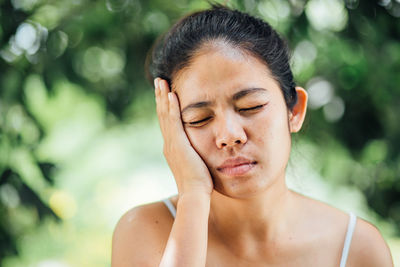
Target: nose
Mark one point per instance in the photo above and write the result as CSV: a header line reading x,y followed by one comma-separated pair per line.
x,y
230,132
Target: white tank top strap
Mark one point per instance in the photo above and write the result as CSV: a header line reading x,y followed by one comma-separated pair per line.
x,y
350,230
170,206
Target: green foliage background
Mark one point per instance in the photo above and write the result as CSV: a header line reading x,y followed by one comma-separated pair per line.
x,y
79,141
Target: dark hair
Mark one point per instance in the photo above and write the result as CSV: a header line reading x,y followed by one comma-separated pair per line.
x,y
175,50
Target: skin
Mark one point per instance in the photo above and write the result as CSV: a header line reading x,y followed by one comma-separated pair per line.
x,y
251,219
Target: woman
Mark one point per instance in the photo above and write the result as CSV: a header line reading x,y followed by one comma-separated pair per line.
x,y
227,105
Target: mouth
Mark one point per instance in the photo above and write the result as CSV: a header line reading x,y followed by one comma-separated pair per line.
x,y
236,167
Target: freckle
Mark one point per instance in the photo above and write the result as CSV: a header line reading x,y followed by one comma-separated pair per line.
x,y
156,222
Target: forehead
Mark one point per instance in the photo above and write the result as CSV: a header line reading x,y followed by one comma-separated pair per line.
x,y
219,71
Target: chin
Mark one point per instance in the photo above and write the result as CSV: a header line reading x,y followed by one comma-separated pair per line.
x,y
240,187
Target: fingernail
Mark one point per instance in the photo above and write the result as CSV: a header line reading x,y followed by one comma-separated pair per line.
x,y
170,96
155,83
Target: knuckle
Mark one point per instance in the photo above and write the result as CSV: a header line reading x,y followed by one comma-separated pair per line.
x,y
166,152
162,112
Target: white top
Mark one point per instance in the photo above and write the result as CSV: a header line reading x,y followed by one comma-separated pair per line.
x,y
350,230
346,247
170,206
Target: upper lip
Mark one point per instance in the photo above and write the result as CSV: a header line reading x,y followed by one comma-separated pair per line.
x,y
233,162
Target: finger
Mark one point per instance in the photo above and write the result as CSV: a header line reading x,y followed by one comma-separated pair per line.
x,y
156,87
175,115
163,85
174,110
160,105
157,92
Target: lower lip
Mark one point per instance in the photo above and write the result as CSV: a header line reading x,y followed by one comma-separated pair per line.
x,y
237,170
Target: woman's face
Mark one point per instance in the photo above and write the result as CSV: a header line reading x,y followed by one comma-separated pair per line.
x,y
236,119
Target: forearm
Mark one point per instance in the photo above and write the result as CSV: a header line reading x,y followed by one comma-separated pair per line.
x,y
187,243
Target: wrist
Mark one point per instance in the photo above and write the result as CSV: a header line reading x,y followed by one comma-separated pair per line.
x,y
198,192
195,187
198,196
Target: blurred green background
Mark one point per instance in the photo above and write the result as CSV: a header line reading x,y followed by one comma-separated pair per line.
x,y
79,137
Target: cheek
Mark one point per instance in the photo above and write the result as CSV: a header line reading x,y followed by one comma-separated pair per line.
x,y
272,130
200,140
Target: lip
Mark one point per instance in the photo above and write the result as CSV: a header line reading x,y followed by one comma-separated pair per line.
x,y
236,166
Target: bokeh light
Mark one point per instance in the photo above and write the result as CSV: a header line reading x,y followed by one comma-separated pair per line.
x,y
327,14
80,142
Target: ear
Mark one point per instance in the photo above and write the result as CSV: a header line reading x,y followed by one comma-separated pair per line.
x,y
298,113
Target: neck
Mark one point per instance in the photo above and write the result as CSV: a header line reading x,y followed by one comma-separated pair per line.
x,y
262,218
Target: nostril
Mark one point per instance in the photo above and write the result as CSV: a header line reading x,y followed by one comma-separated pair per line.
x,y
230,142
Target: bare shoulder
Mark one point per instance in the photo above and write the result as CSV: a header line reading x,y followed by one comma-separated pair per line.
x,y
368,248
140,236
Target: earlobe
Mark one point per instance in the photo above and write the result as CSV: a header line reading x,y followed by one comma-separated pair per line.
x,y
298,113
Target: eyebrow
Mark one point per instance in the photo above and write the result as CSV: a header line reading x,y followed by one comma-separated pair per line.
x,y
201,104
247,91
235,97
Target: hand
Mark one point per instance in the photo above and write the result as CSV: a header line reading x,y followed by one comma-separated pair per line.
x,y
190,172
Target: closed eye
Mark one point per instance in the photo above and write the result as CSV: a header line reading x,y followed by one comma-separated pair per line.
x,y
198,122
252,108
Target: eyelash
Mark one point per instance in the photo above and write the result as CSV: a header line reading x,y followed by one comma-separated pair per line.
x,y
252,108
240,110
198,122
